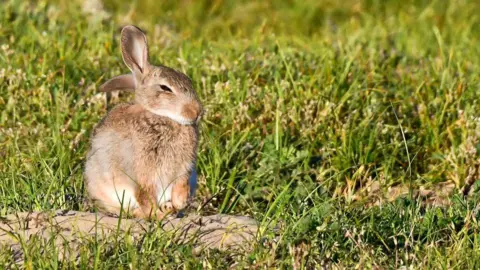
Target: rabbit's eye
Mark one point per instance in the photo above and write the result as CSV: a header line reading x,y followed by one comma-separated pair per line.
x,y
165,88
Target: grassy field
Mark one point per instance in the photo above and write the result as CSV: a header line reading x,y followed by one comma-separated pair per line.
x,y
322,117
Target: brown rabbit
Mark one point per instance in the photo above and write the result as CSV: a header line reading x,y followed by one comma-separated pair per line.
x,y
143,154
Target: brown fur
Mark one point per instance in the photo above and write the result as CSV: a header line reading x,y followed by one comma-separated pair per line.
x,y
143,154
180,193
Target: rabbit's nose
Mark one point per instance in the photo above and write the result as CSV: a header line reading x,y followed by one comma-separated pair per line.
x,y
191,111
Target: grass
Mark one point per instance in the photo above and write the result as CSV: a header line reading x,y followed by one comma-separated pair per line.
x,y
309,104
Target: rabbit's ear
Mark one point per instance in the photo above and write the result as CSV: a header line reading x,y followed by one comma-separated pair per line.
x,y
124,82
135,50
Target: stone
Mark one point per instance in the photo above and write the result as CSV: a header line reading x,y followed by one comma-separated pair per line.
x,y
223,232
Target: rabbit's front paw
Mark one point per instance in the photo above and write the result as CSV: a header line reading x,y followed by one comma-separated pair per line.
x,y
166,207
180,194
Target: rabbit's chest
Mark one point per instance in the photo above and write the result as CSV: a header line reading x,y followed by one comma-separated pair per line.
x,y
174,163
171,155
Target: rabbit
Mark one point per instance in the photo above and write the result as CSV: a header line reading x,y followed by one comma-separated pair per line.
x,y
142,156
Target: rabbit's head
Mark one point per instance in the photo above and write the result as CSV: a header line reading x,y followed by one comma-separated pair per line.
x,y
159,89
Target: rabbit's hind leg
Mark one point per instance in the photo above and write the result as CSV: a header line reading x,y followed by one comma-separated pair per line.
x,y
113,198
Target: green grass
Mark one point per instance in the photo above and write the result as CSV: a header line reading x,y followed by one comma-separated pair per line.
x,y
307,104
